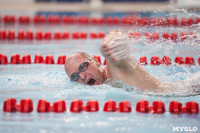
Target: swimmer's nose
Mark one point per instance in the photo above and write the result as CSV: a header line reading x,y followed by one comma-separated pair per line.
x,y
82,77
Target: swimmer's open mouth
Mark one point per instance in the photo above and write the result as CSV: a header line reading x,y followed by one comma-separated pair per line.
x,y
92,81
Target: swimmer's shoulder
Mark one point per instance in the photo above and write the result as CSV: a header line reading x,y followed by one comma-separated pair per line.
x,y
118,84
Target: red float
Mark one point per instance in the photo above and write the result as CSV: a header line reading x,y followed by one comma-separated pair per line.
x,y
75,35
138,21
153,21
179,60
59,106
11,35
174,36
191,35
57,35
116,20
109,20
143,60
47,35
155,36
42,18
136,35
142,106
155,60
43,106
86,19
26,59
49,59
192,107
39,35
158,107
169,21
125,106
38,58
97,20
145,21
61,59
21,35
98,58
2,35
10,105
50,19
65,35
36,19
24,19
197,20
160,21
105,62
175,21
9,19
76,106
184,22
189,60
15,59
56,19
3,59
71,19
166,36
147,35
92,106
65,19
29,35
190,21
26,105
101,35
175,107
110,106
80,19
166,60
83,35
93,35
183,36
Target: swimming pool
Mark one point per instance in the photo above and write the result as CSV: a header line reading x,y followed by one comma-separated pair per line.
x,y
37,81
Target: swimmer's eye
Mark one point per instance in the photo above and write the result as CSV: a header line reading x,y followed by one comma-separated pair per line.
x,y
74,77
83,67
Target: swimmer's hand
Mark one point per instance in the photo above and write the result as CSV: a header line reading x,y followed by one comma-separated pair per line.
x,y
115,46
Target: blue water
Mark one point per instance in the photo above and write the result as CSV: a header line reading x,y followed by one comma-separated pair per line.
x,y
37,81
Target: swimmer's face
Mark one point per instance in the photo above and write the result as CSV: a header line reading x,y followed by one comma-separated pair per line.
x,y
91,76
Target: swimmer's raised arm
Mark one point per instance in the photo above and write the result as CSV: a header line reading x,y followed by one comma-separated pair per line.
x,y
116,49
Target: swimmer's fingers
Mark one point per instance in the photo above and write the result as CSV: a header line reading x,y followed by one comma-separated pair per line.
x,y
109,55
105,52
112,58
105,48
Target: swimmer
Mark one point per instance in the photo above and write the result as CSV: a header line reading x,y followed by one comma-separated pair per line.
x,y
84,69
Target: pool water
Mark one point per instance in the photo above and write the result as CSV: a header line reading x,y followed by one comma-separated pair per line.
x,y
37,81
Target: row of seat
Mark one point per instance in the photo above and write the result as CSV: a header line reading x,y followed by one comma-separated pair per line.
x,y
158,107
138,21
38,35
49,59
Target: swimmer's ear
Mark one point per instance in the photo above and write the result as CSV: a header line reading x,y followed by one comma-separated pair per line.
x,y
96,61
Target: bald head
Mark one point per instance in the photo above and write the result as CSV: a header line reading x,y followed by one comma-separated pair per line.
x,y
92,75
75,59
